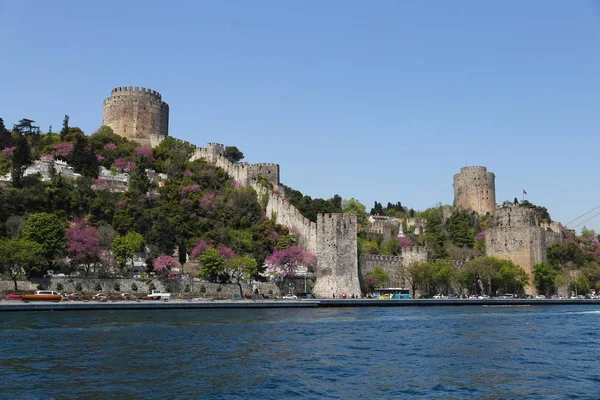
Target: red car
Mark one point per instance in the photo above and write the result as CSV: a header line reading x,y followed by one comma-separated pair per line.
x,y
14,296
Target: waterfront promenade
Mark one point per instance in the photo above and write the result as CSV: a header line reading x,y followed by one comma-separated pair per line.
x,y
314,303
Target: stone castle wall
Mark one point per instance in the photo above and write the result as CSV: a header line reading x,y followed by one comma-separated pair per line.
x,y
88,286
244,173
137,113
395,266
515,235
337,264
141,115
474,189
418,225
284,213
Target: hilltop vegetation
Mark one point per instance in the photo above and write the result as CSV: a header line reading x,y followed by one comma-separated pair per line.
x,y
99,229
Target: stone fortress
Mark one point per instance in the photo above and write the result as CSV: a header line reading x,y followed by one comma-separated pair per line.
x,y
514,233
138,114
474,189
141,115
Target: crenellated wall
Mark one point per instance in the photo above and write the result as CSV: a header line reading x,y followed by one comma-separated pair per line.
x,y
138,114
395,266
474,189
244,173
286,214
515,234
337,264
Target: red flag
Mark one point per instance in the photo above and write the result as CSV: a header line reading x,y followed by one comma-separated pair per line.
x,y
524,192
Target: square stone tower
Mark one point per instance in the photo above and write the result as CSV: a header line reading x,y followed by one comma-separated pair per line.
x,y
337,262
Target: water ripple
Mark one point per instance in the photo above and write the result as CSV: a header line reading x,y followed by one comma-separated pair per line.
x,y
450,353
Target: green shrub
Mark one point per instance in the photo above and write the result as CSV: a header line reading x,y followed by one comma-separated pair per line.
x,y
78,287
187,288
117,287
98,287
219,288
134,287
202,289
40,286
59,287
152,286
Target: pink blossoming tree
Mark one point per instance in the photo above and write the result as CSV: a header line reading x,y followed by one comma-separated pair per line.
x,y
63,150
199,248
9,151
167,267
145,153
82,244
285,262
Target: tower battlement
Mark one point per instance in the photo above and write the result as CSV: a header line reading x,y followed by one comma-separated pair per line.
x,y
475,189
137,113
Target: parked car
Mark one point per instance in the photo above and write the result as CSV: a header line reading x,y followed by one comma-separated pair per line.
x,y
128,296
100,297
76,296
290,297
14,296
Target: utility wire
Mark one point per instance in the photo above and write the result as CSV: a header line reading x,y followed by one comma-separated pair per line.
x,y
581,223
582,215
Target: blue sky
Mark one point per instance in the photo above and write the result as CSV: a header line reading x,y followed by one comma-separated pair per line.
x,y
376,100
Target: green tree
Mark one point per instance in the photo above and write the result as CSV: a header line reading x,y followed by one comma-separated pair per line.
x,y
511,278
233,154
443,274
240,268
65,129
380,275
561,254
21,158
139,180
19,257
49,231
212,264
354,206
460,229
83,158
587,233
434,237
580,285
543,277
124,247
420,277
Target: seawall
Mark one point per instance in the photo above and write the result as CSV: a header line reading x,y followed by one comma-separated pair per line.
x,y
8,306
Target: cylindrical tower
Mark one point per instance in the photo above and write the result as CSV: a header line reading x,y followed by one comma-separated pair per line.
x,y
474,189
136,113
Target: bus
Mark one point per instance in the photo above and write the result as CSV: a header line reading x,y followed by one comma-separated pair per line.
x,y
392,293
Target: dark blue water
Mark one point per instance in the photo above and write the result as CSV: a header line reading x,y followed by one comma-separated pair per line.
x,y
362,353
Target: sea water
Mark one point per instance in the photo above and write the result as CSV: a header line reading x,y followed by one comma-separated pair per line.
x,y
537,352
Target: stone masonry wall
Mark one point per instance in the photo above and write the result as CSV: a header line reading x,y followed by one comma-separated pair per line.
x,y
474,189
136,113
286,214
337,264
515,235
278,208
395,266
125,286
244,173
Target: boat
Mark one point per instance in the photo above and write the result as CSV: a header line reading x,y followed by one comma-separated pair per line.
x,y
42,295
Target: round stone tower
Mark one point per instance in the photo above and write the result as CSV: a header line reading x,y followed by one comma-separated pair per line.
x,y
474,189
138,114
